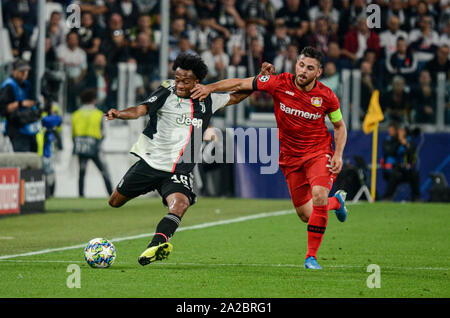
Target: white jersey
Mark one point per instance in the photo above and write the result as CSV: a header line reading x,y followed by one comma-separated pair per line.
x,y
172,139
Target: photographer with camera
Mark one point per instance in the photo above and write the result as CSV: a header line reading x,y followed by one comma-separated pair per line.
x,y
51,120
21,110
399,159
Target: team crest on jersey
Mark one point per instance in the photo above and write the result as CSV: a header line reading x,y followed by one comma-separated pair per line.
x,y
264,78
316,101
202,105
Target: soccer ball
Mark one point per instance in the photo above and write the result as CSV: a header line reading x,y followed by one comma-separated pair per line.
x,y
100,252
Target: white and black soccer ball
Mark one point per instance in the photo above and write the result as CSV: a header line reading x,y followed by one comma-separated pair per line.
x,y
100,253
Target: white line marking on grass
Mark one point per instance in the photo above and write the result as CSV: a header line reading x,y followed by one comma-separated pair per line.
x,y
161,264
134,237
6,238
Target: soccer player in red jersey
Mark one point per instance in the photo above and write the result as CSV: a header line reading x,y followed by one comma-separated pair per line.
x,y
307,158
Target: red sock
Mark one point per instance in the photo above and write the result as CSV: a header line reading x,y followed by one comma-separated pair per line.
x,y
333,204
316,228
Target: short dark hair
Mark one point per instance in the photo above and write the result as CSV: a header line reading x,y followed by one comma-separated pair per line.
x,y
313,53
88,95
188,61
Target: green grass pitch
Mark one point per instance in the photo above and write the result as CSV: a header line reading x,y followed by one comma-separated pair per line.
x,y
248,255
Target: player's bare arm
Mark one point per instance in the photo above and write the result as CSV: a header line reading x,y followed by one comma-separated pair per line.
x,y
127,113
340,139
237,97
231,85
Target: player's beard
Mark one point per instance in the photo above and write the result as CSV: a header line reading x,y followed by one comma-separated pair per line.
x,y
305,84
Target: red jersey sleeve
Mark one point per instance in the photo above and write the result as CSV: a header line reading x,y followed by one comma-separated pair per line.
x,y
266,83
333,102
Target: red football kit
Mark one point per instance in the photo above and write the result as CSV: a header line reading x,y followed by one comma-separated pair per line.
x,y
305,143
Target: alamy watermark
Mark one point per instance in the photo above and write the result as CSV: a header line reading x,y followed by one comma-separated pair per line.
x,y
74,279
374,279
373,20
73,19
234,145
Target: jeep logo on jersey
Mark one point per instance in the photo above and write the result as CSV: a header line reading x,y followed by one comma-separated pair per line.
x,y
196,122
298,112
316,101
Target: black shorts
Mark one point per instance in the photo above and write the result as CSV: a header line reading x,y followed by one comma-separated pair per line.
x,y
141,179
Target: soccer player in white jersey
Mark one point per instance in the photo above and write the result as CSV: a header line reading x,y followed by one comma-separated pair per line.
x,y
175,122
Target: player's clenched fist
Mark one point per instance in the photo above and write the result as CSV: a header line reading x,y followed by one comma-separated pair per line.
x,y
112,114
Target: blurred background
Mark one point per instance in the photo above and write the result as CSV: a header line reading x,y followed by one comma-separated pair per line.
x,y
123,49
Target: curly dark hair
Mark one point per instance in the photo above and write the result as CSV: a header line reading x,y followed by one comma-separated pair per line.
x,y
313,53
191,62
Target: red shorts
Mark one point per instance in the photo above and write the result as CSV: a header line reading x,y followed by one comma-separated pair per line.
x,y
302,173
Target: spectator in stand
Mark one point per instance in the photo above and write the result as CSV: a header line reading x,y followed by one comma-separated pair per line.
x,y
326,10
19,37
116,50
350,16
251,32
180,11
205,7
296,18
331,77
115,23
388,38
321,36
445,32
396,101
424,41
424,100
75,64
184,46
378,68
252,60
216,60
277,42
411,14
228,17
440,63
177,31
128,10
98,79
359,40
144,26
202,35
260,12
402,62
367,86
285,61
56,30
90,35
98,8
147,59
417,12
395,8
27,9
334,55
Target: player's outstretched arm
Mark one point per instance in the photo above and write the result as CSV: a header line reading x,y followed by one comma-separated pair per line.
x,y
231,85
127,113
237,97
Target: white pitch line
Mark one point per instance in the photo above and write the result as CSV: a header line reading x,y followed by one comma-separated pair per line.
x,y
238,265
183,228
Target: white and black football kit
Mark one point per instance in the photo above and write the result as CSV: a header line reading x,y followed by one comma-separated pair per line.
x,y
170,144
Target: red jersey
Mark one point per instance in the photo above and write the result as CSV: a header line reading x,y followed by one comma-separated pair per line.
x,y
300,115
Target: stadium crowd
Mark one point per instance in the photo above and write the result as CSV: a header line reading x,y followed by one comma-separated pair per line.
x,y
401,57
